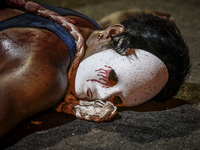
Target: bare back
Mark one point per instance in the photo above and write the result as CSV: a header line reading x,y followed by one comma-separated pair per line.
x,y
33,72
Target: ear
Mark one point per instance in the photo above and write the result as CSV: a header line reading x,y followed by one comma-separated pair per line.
x,y
113,30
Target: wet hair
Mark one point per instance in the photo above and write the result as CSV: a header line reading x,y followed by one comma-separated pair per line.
x,y
162,38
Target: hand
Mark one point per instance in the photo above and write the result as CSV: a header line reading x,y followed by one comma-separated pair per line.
x,y
95,110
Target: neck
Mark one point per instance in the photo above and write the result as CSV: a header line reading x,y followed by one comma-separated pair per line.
x,y
85,32
85,27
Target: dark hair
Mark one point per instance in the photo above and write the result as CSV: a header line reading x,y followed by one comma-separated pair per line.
x,y
162,38
3,4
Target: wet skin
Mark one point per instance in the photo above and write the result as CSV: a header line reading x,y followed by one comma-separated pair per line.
x,y
33,70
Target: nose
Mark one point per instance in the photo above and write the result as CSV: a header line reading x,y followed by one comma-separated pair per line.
x,y
106,93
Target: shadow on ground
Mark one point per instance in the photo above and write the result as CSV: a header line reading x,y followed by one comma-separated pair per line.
x,y
149,122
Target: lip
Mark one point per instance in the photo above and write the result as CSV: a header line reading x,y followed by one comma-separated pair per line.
x,y
89,93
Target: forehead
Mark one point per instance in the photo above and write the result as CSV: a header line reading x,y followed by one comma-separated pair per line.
x,y
140,57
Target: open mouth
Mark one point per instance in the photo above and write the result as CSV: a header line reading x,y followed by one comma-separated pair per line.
x,y
89,93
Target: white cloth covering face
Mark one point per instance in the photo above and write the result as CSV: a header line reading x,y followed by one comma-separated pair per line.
x,y
140,77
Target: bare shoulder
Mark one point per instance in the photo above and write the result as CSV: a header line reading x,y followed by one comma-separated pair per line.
x,y
35,59
9,13
41,44
33,73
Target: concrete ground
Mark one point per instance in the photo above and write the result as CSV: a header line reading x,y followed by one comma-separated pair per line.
x,y
173,125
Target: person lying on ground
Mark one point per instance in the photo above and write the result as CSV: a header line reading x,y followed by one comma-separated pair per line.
x,y
51,56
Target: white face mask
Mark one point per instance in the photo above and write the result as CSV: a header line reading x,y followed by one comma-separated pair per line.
x,y
137,79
